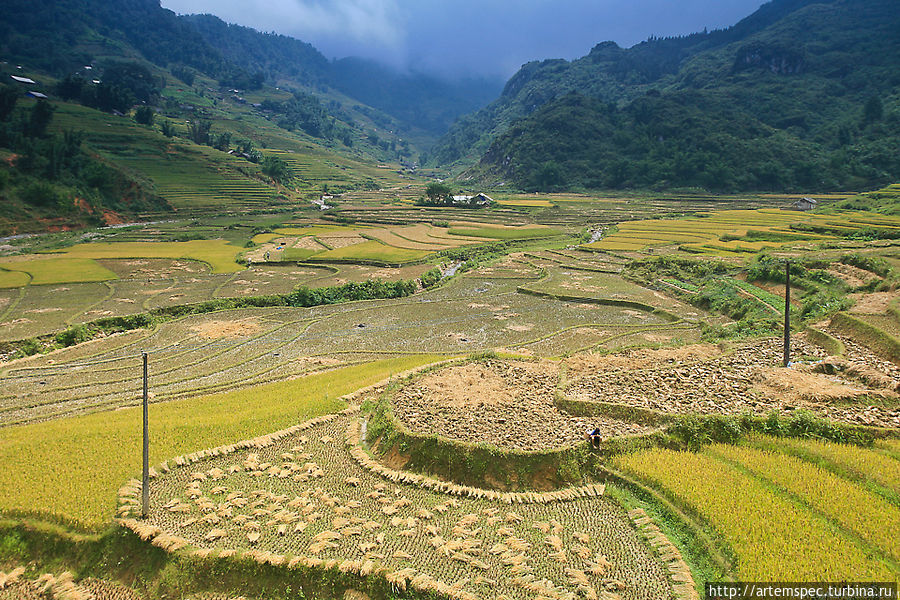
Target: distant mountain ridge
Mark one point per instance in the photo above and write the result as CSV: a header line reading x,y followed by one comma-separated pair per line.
x,y
415,99
60,36
811,87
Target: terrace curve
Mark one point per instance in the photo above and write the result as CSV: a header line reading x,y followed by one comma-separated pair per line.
x,y
310,497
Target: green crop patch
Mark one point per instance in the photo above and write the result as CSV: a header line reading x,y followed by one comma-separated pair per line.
x,y
372,251
45,271
505,233
12,279
219,254
733,232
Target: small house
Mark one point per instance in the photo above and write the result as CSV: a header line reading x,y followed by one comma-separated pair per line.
x,y
805,204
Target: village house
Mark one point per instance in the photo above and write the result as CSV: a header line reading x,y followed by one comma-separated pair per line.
x,y
804,204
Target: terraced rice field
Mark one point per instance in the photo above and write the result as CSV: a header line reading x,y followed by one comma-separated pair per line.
x,y
187,175
604,286
734,232
306,496
500,232
314,169
219,254
857,511
763,511
327,243
46,271
855,463
146,284
200,177
220,351
71,468
372,250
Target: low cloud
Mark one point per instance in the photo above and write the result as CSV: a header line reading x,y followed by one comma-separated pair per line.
x,y
470,37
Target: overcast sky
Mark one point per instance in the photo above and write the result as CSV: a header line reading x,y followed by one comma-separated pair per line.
x,y
474,37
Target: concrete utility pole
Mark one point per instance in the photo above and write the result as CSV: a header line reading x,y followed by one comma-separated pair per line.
x,y
787,313
145,479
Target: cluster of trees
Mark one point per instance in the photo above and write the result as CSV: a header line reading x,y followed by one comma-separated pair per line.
x,y
802,94
276,168
306,113
121,85
366,290
441,194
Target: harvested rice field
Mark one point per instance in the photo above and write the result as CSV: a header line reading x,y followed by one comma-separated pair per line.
x,y
147,284
470,316
311,497
741,380
507,404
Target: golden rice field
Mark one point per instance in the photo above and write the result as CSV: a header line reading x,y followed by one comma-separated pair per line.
x,y
219,254
13,279
856,510
861,463
892,446
310,496
783,518
372,250
733,231
70,468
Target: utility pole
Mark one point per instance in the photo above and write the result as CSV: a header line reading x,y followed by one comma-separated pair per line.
x,y
787,313
145,479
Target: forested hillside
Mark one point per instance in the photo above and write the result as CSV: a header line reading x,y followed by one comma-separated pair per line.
x,y
801,95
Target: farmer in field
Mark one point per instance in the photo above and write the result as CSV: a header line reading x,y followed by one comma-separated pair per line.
x,y
594,437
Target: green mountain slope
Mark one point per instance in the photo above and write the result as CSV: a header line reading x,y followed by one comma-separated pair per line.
x,y
799,95
154,122
608,72
59,36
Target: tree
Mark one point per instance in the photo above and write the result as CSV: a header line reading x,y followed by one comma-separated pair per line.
x,y
69,88
132,77
549,177
438,192
874,110
144,115
8,98
198,131
222,141
39,118
167,129
277,169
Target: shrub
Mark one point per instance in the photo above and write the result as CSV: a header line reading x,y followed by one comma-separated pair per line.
x,y
73,335
430,278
